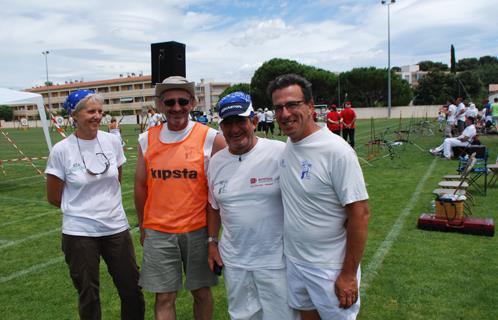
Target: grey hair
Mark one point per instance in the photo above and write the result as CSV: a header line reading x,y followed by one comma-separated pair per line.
x,y
94,97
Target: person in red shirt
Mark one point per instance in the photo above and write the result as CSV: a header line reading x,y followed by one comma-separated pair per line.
x,y
334,120
348,123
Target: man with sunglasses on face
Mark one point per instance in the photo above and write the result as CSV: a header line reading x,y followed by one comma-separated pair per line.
x,y
325,208
171,197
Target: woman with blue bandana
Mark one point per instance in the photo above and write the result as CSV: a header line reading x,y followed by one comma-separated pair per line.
x,y
84,181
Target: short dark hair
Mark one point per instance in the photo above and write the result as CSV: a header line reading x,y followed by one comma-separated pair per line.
x,y
290,79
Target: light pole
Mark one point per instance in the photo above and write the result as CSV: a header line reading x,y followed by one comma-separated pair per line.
x,y
45,53
388,3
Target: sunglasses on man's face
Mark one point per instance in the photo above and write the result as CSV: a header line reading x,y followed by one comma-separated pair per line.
x,y
181,101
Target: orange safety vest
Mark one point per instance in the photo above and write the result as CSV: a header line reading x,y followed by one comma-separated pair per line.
x,y
177,191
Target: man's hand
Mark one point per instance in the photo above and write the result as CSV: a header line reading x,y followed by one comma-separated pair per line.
x,y
346,290
214,256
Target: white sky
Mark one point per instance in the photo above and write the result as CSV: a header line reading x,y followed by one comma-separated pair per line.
x,y
227,40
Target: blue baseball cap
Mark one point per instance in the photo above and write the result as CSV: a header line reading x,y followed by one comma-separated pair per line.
x,y
74,98
235,104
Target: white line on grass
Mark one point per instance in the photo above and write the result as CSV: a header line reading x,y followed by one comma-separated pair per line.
x,y
22,200
31,269
371,270
32,237
40,266
28,218
21,178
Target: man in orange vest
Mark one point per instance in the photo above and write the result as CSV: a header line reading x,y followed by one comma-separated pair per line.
x,y
171,197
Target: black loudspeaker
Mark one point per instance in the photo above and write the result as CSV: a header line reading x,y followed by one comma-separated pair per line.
x,y
167,59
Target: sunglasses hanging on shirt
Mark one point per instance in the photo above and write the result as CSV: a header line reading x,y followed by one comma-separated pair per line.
x,y
100,158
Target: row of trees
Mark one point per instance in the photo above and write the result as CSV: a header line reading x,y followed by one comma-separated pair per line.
x,y
367,87
364,87
470,80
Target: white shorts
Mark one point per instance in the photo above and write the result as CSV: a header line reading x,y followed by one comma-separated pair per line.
x,y
313,289
257,294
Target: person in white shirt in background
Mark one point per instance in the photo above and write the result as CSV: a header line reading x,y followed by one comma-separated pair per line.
x,y
261,120
153,119
325,208
450,118
245,198
269,125
460,115
462,140
471,111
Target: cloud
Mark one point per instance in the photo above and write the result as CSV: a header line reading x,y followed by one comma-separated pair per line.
x,y
228,40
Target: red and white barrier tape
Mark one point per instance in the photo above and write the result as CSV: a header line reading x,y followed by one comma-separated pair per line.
x,y
22,153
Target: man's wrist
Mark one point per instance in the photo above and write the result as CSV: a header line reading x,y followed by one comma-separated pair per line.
x,y
213,240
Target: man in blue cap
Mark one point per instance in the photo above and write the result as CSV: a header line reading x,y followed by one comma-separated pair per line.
x,y
244,196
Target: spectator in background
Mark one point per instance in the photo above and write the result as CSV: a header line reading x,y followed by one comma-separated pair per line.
x,y
153,119
460,115
471,111
463,140
116,130
334,120
261,120
202,119
348,116
269,125
494,112
450,118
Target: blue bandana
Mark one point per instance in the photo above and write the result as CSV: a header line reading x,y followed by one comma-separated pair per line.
x,y
235,104
75,97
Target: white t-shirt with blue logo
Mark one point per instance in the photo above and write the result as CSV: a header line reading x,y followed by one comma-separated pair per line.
x,y
246,190
319,175
91,205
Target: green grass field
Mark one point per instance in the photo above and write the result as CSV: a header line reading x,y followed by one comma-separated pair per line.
x,y
406,273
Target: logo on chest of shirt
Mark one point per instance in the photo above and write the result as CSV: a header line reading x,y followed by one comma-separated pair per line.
x,y
165,174
282,163
258,182
190,152
221,187
305,170
77,167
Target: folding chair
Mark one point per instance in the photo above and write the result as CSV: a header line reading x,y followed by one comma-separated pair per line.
x,y
458,187
493,171
480,168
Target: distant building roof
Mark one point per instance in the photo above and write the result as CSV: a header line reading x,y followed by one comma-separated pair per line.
x,y
493,88
78,84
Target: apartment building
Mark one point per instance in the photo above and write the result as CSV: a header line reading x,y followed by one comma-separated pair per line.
x,y
129,94
412,74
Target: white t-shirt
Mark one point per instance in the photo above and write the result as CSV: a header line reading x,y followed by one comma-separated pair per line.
x,y
269,116
319,175
471,112
460,107
470,132
91,205
246,189
451,114
168,136
154,120
261,117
